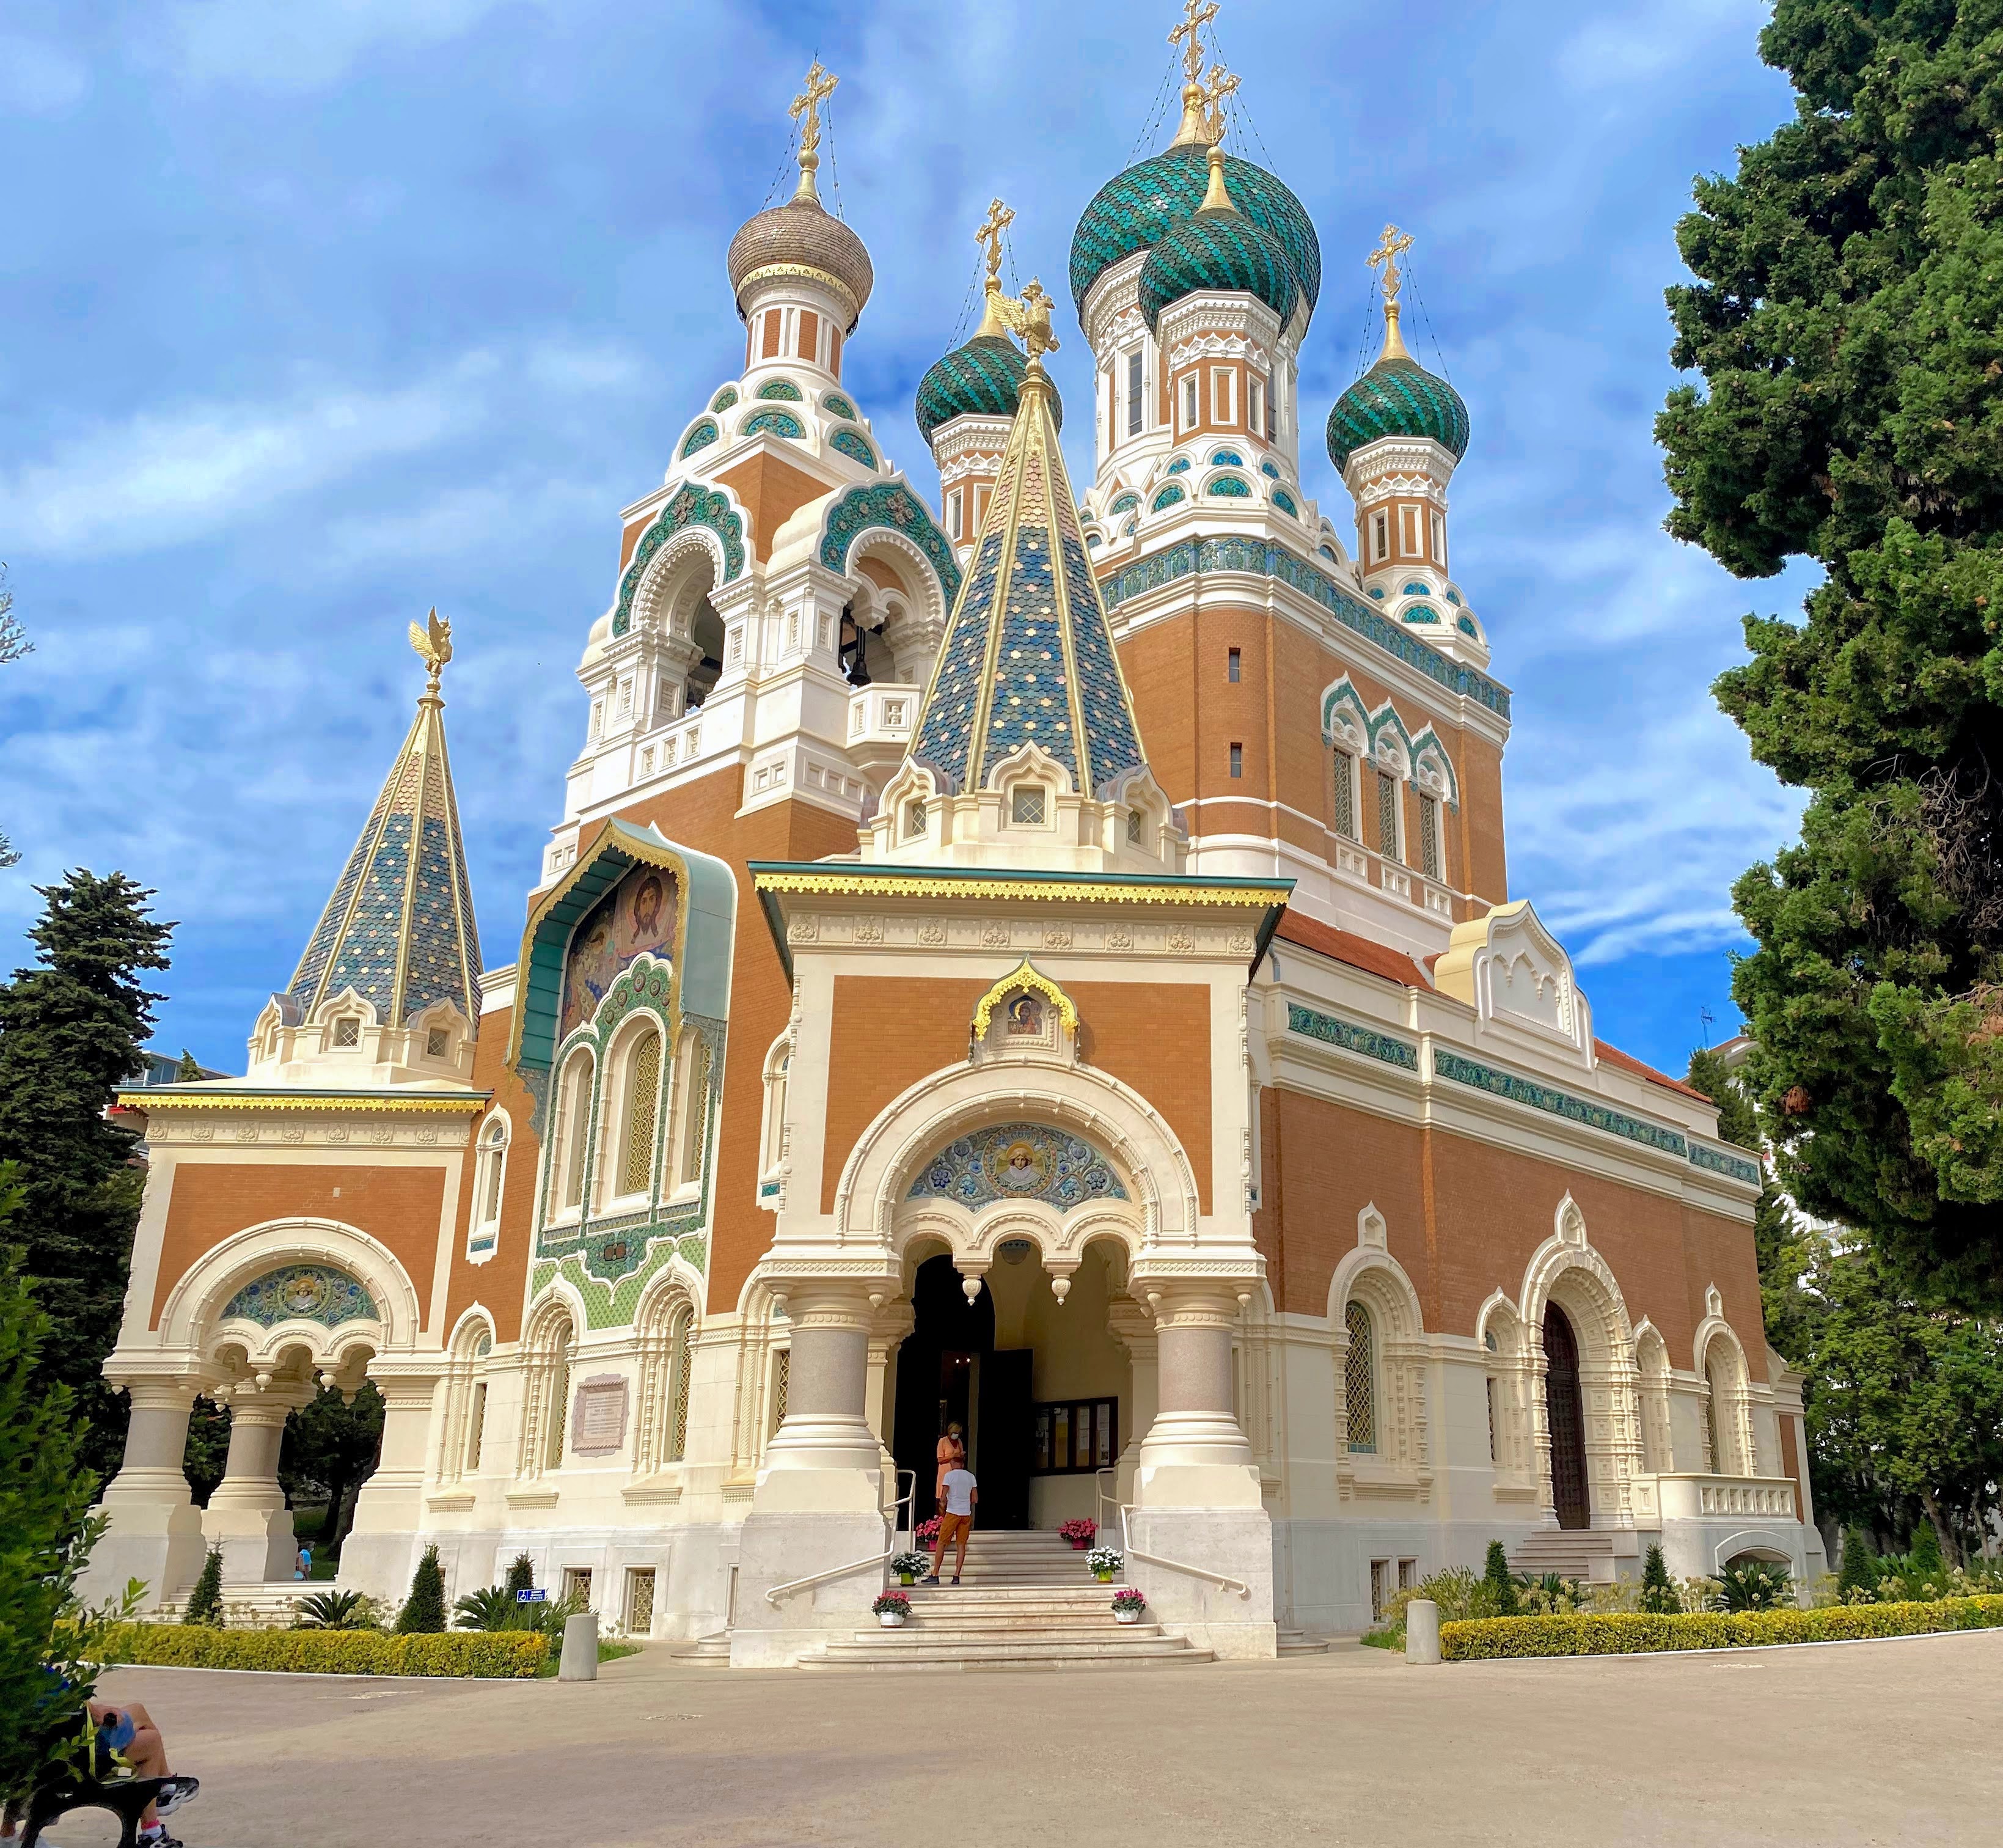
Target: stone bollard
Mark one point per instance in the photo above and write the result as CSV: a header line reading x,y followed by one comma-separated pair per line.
x,y
1421,1632
580,1661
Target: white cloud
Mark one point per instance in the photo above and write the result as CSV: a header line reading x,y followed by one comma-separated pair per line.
x,y
1644,44
39,79
306,44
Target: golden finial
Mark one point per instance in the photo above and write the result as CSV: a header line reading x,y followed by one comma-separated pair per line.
x,y
1000,217
433,643
805,110
1215,197
1196,14
1030,318
1392,245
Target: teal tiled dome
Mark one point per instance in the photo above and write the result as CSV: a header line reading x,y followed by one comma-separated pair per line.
x,y
1135,210
980,378
1217,250
1396,397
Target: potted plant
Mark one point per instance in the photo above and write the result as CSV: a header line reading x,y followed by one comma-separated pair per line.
x,y
928,1532
911,1567
1081,1534
1127,1604
1105,1561
893,1609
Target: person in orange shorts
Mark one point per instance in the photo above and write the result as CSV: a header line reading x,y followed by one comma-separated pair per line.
x,y
958,1494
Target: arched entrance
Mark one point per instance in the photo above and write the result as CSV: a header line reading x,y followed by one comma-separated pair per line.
x,y
949,1373
1565,1419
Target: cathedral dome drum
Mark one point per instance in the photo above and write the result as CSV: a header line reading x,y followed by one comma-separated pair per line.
x,y
1135,210
983,378
1396,397
1218,251
801,238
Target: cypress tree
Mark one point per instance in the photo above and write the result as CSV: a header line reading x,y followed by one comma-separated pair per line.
x,y
1926,1570
70,1033
1657,1594
1858,1570
1499,1582
204,1604
1847,319
521,1573
187,1072
424,1610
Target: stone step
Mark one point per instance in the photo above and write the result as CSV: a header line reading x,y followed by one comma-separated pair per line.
x,y
1055,1624
1571,1553
268,1606
706,1652
899,1650
1294,1643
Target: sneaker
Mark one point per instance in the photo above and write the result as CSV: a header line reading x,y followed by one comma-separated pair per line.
x,y
955,1578
159,1839
931,1578
175,1792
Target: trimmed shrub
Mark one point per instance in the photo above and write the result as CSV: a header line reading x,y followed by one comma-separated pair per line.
x,y
1498,1637
423,1613
508,1655
1925,1569
1659,1596
521,1575
1499,1581
1859,1570
204,1604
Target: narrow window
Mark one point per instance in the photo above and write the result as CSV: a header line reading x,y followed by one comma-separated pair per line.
x,y
1380,1588
678,1387
1223,403
1272,414
782,1367
576,1121
1345,795
695,1110
1383,536
1411,532
643,1094
810,348
1133,827
1026,806
1491,1384
1429,836
1387,815
1231,666
773,323
1439,542
834,351
625,698
1136,393
347,1031
436,1039
559,1400
953,511
979,507
914,818
1238,760
476,1427
1255,407
597,718
1359,1382
1189,402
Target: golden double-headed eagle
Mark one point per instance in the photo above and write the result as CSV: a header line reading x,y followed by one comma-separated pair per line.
x,y
433,643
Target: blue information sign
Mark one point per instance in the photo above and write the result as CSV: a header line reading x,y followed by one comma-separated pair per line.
x,y
535,1595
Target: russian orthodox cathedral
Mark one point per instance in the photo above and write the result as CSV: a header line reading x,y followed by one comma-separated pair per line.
x,y
1029,955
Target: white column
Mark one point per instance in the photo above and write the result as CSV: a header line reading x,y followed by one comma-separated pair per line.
x,y
155,1533
247,1516
380,1551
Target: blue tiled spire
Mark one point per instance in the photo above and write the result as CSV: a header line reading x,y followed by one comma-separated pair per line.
x,y
399,928
1028,657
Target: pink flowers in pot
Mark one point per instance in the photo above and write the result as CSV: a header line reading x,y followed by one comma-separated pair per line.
x,y
928,1532
892,1604
1128,1601
1079,1533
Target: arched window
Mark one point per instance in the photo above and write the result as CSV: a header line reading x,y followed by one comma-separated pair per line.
x,y
476,1416
573,1117
490,1172
694,1092
771,1141
639,1113
679,1333
1724,1451
556,1394
1359,1380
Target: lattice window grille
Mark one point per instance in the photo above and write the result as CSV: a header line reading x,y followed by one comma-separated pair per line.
x,y
643,1105
1387,815
1359,1383
1345,795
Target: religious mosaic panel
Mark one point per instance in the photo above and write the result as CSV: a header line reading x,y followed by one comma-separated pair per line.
x,y
303,1293
636,918
1019,1161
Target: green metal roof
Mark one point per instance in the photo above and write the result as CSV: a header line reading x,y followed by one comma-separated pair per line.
x,y
980,378
1396,397
1218,251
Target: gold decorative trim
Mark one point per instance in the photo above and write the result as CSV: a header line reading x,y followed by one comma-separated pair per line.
x,y
1024,975
768,272
154,1100
861,886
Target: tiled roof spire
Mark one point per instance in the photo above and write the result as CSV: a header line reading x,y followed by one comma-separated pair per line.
x,y
399,928
1028,657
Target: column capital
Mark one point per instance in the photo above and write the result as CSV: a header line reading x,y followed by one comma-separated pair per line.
x,y
1195,1302
821,1301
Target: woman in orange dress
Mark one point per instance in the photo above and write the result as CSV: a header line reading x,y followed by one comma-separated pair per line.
x,y
951,1454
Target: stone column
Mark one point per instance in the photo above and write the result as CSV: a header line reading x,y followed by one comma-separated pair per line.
x,y
155,1533
886,1333
1196,1492
818,1505
381,1550
1132,1325
247,1516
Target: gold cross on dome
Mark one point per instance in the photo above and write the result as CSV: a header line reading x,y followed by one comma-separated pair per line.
x,y
1219,85
805,110
1196,14
1000,217
1392,245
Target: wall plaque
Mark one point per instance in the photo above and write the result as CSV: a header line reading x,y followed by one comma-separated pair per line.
x,y
598,1417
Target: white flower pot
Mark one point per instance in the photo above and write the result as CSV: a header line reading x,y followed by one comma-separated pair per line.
x,y
1126,1616
891,1619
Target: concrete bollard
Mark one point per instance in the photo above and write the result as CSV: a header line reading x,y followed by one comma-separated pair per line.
x,y
1421,1632
580,1661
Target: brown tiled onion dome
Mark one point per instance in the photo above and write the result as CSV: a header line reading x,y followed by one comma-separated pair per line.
x,y
802,237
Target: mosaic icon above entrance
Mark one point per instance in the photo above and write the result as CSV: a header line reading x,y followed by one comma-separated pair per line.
x,y
1018,1161
302,1292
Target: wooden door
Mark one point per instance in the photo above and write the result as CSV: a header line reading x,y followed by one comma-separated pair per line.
x,y
1565,1415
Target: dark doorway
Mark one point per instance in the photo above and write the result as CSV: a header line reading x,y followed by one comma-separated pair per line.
x,y
949,1373
1565,1414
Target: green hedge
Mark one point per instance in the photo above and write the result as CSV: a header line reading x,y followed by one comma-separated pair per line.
x,y
510,1654
1489,1639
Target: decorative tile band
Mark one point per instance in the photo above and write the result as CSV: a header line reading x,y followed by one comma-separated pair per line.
x,y
1452,1066
1719,1163
1365,1040
1233,552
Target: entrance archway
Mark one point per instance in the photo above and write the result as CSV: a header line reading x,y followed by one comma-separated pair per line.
x,y
1565,1419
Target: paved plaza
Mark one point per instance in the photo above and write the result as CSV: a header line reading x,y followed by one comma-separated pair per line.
x,y
1888,1742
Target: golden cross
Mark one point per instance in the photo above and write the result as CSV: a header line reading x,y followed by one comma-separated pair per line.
x,y
805,110
1000,217
1219,85
1196,14
1392,245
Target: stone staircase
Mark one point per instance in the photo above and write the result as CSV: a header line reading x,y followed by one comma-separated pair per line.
x,y
1024,1601
712,1651
1571,1552
248,1607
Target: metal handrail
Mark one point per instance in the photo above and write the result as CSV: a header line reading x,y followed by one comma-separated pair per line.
x,y
1222,1580
892,1528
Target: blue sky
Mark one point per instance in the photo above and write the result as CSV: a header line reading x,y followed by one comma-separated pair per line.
x,y
318,315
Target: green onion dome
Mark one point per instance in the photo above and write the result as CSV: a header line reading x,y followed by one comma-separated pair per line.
x,y
982,379
1135,210
1396,397
1217,250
